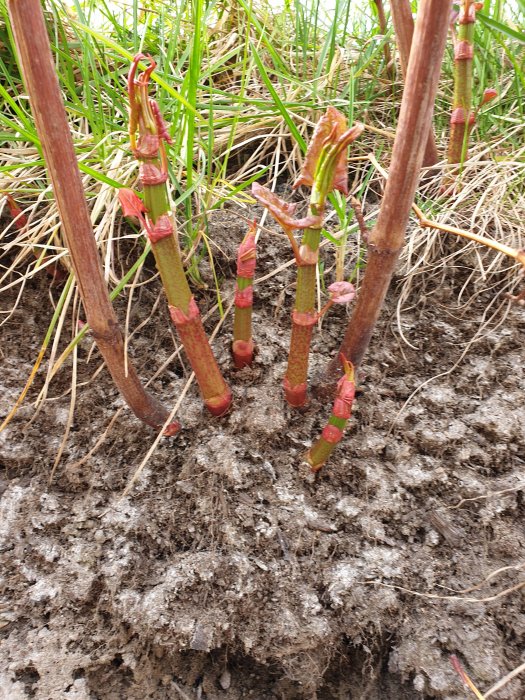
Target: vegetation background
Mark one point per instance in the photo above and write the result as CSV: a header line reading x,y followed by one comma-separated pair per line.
x,y
241,85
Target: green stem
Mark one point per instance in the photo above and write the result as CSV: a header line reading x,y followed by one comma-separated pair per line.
x,y
462,118
150,151
322,449
341,412
303,318
242,346
166,250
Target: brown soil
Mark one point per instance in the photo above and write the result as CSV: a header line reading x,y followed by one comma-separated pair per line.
x,y
229,572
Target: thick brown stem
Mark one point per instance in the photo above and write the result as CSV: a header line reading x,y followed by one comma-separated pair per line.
x,y
41,82
404,31
387,238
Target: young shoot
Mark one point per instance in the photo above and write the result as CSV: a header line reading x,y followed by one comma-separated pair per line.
x,y
148,135
242,346
325,170
341,412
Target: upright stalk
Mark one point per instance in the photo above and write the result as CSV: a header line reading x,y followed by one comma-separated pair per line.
x,y
41,82
325,169
462,118
404,30
387,237
381,18
242,346
148,134
341,412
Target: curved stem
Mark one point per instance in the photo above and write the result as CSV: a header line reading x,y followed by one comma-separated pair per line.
x,y
41,82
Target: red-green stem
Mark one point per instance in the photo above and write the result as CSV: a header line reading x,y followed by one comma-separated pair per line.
x,y
387,237
462,118
242,346
341,412
149,149
324,169
304,316
330,165
41,82
404,30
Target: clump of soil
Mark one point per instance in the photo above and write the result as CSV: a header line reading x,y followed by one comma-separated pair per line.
x,y
229,572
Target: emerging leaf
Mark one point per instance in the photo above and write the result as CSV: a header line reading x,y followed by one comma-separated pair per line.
x,y
325,166
488,95
330,127
15,212
341,292
131,204
282,211
246,254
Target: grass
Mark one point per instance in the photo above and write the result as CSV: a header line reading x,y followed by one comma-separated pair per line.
x,y
241,85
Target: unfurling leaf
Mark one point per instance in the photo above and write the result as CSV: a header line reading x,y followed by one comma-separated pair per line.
x,y
341,292
325,165
282,211
329,128
131,204
489,94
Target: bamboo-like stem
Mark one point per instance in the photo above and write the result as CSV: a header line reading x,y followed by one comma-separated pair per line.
x,y
387,237
341,412
41,82
404,31
304,316
324,169
242,346
149,149
462,118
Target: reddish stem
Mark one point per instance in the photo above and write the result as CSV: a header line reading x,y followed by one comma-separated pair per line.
x,y
404,30
192,335
242,346
36,62
387,238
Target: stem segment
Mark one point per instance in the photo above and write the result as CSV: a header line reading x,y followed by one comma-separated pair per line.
x,y
149,149
341,412
381,17
404,30
387,238
303,319
242,346
462,118
36,62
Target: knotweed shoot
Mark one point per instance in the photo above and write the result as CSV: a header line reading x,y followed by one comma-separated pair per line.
x,y
36,62
242,346
341,412
148,136
324,170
